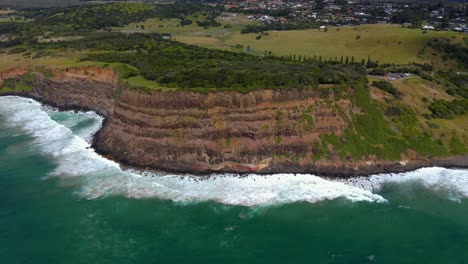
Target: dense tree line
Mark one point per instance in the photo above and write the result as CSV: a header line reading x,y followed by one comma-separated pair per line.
x,y
414,15
279,26
113,14
180,65
387,87
270,12
85,19
208,23
457,52
456,84
88,18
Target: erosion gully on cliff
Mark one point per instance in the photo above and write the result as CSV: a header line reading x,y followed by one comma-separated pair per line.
x,y
202,133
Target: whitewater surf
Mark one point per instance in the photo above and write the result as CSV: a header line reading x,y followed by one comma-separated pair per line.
x,y
66,138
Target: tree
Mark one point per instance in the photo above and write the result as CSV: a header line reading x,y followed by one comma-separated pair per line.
x,y
340,2
319,5
347,60
186,22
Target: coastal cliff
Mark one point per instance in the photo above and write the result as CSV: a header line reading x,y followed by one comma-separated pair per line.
x,y
263,131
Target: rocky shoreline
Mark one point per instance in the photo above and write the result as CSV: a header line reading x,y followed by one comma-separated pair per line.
x,y
197,134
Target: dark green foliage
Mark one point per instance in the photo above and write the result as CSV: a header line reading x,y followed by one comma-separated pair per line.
x,y
456,84
448,110
86,19
393,111
456,145
115,14
377,71
457,52
24,83
387,87
179,65
208,23
106,41
414,15
278,26
101,16
186,22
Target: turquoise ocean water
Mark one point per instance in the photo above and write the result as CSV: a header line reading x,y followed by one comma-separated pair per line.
x,y
60,202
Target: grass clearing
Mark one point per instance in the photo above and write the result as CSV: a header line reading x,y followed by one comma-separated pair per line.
x,y
140,81
207,42
458,125
386,43
6,12
50,59
417,92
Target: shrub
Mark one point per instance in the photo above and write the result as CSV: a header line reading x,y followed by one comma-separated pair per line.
x,y
387,87
378,71
448,110
17,50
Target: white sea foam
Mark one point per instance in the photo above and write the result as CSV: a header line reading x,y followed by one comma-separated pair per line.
x,y
454,181
229,189
72,120
72,153
101,177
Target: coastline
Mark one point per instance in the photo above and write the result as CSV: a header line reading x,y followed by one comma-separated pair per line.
x,y
333,172
187,133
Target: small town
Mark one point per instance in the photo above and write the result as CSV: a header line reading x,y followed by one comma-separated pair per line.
x,y
431,16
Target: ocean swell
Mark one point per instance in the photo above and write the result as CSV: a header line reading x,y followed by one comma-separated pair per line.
x,y
66,137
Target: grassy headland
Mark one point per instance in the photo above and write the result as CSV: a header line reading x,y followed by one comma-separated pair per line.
x,y
425,113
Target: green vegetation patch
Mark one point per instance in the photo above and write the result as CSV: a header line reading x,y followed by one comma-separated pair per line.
x,y
458,52
387,87
173,64
456,145
368,133
24,83
448,110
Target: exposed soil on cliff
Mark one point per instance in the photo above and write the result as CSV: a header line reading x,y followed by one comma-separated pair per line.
x,y
264,131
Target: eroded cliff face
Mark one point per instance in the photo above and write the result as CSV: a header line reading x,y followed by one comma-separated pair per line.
x,y
263,131
83,88
219,131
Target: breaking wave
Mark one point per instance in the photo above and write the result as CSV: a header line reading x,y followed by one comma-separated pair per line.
x,y
453,181
66,137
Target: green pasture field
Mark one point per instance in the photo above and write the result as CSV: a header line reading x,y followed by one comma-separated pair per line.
x,y
382,42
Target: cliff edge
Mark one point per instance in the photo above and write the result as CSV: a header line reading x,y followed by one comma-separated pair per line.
x,y
263,131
